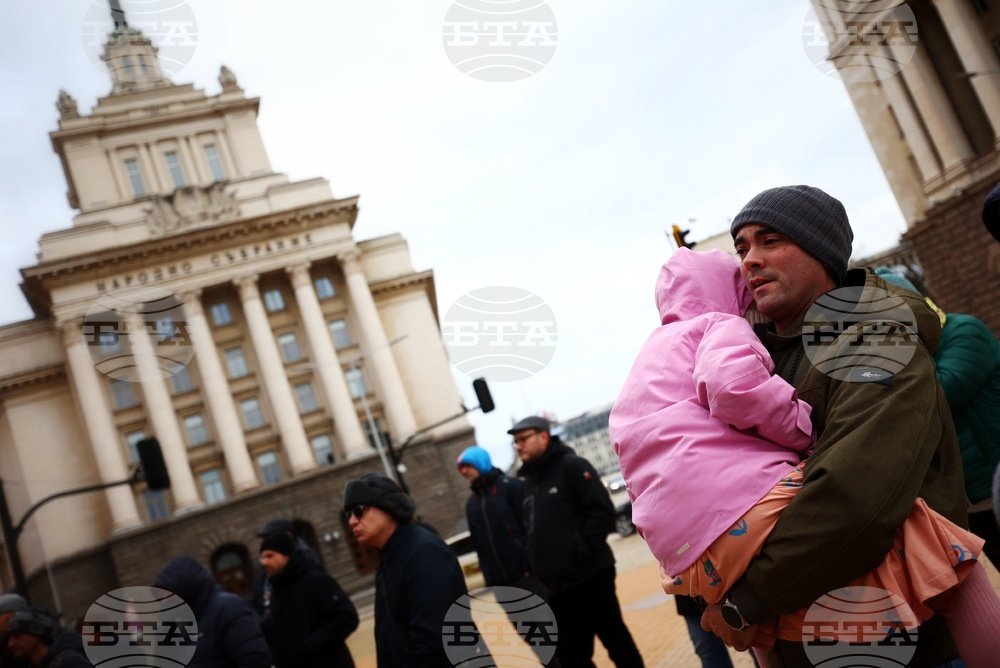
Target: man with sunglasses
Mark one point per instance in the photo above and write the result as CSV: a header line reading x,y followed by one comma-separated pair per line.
x,y
418,578
568,515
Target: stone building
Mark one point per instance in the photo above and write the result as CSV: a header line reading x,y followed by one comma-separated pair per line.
x,y
202,297
924,77
588,434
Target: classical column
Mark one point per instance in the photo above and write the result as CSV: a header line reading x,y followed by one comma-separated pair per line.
x,y
229,429
195,176
376,349
975,52
935,107
345,418
913,131
100,428
157,181
161,414
286,413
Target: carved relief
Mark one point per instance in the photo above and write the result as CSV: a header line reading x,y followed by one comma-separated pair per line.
x,y
191,205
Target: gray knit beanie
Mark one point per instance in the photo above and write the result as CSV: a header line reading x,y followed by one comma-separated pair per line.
x,y
809,217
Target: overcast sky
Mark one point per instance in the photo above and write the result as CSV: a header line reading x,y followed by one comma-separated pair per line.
x,y
649,113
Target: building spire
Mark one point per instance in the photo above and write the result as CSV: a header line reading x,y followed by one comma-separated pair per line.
x,y
118,15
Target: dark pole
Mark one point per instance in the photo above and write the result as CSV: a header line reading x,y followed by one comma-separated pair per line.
x,y
10,537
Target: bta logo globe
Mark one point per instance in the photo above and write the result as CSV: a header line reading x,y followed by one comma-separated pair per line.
x,y
500,40
140,626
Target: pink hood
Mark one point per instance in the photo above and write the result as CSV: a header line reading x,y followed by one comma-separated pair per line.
x,y
692,283
702,429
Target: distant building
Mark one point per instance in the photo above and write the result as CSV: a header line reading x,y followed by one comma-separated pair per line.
x,y
935,127
202,297
588,435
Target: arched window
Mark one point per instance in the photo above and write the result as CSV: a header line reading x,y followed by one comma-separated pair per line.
x,y
233,569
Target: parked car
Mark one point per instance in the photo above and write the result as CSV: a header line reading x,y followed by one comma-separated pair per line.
x,y
623,519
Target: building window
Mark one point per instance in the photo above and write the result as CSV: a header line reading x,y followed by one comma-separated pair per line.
x,y
323,448
252,417
174,165
129,70
273,301
324,287
289,347
156,505
194,425
135,177
181,381
356,383
123,394
131,440
214,163
372,428
270,471
220,314
306,398
211,486
236,363
341,337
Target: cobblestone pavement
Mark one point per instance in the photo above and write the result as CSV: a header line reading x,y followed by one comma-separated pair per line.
x,y
658,630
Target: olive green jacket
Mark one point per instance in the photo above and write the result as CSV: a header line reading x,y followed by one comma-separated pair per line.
x,y
881,445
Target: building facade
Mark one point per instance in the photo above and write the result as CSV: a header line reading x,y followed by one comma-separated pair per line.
x,y
204,299
924,77
588,434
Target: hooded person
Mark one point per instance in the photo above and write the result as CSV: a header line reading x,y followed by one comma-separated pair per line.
x,y
34,636
418,578
311,615
229,635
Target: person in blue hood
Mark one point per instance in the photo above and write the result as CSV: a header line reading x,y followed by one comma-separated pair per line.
x,y
228,633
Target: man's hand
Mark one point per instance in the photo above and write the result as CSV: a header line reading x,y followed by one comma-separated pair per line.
x,y
711,620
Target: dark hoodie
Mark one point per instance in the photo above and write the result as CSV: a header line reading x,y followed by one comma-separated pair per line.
x,y
228,633
494,513
568,515
311,617
66,651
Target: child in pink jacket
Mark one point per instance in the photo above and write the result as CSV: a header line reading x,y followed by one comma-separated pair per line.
x,y
712,447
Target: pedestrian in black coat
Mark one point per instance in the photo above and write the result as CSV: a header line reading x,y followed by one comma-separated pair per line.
x,y
228,633
418,579
34,636
311,616
568,515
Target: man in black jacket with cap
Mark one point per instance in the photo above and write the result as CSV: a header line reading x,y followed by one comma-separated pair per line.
x,y
568,515
311,616
418,578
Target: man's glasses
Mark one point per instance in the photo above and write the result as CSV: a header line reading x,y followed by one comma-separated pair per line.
x,y
523,438
356,511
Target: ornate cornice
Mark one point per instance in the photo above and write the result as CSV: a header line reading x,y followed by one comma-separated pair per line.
x,y
402,282
33,378
173,247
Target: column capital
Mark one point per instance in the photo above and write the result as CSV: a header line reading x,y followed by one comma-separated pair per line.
x,y
70,328
247,285
350,260
299,273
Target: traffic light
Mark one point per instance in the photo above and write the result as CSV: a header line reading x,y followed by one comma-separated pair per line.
x,y
154,469
679,235
483,395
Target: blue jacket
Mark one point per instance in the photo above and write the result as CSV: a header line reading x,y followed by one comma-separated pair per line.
x,y
496,525
228,633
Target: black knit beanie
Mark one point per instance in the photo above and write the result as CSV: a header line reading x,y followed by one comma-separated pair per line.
x,y
374,489
809,217
278,541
